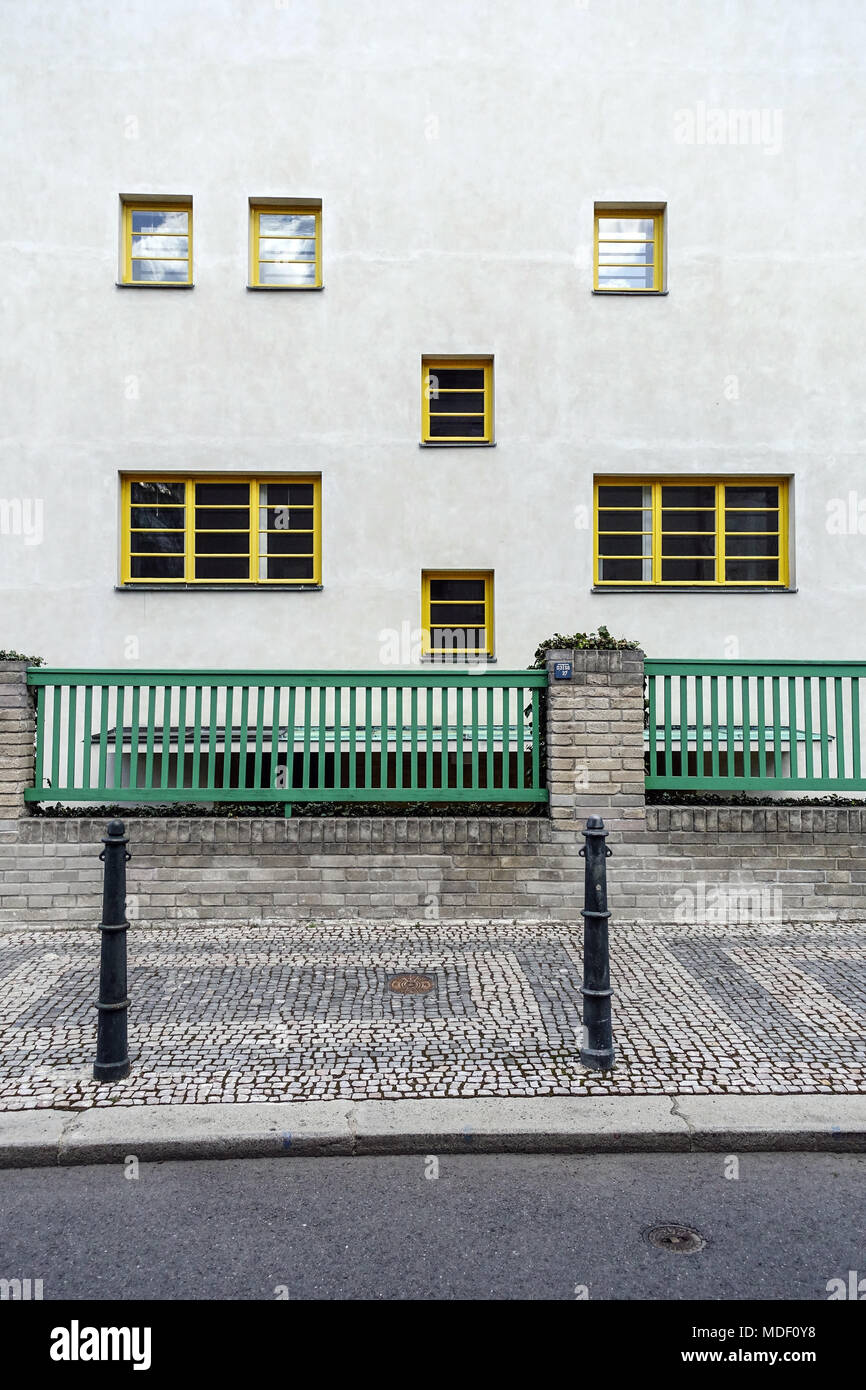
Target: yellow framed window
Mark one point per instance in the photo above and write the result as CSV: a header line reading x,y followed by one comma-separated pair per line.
x,y
221,530
157,243
286,246
692,533
457,613
457,400
629,250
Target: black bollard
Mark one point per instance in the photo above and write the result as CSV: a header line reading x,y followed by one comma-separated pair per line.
x,y
597,1050
112,1052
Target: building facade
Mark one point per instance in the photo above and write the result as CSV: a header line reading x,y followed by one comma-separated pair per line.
x,y
333,332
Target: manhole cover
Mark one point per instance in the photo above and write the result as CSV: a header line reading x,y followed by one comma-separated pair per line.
x,y
411,984
682,1240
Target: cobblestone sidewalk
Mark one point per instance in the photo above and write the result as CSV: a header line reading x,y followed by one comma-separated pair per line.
x,y
307,1012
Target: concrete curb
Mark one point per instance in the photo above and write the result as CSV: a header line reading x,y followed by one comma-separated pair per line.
x,y
579,1124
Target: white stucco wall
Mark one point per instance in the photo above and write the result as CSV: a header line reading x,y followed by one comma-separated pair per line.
x,y
458,152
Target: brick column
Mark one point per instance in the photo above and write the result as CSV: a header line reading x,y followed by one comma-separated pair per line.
x,y
595,739
17,730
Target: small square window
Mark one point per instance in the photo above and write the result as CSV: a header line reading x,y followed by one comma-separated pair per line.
x,y
157,242
286,245
457,400
457,613
629,249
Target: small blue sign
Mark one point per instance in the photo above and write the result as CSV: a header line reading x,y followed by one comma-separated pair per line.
x,y
562,670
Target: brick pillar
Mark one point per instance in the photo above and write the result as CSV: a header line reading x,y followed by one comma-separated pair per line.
x,y
17,731
595,739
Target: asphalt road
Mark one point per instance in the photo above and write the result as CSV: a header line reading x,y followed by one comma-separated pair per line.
x,y
497,1227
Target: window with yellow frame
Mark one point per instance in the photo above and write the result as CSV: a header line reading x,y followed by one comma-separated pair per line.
x,y
286,246
457,613
157,242
695,532
629,250
221,530
457,400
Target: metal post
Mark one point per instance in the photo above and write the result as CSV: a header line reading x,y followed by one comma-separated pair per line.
x,y
112,1053
597,1050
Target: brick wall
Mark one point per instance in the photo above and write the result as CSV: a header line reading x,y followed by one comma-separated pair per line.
x,y
669,863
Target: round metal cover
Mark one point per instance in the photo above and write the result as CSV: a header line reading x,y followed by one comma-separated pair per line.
x,y
681,1240
411,984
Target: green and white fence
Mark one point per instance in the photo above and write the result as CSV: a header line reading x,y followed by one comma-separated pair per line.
x,y
284,736
756,725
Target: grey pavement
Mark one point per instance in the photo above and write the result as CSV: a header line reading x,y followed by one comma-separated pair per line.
x,y
306,1013
486,1227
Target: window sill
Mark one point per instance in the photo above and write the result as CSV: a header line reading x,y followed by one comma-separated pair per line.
x,y
274,587
691,589
287,289
457,444
632,294
152,285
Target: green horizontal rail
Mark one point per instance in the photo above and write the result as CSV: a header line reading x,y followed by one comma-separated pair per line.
x,y
755,725
288,736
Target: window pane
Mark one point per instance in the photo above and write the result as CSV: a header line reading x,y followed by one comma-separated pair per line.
x,y
457,614
282,273
752,545
222,542
751,521
456,378
689,571
156,567
154,542
445,426
152,517
458,639
280,494
625,227
150,272
222,518
625,545
631,496
157,492
463,590
160,246
221,567
625,521
453,402
624,571
288,518
689,545
152,220
624,252
287,249
287,224
753,571
287,543
751,496
688,521
626,277
688,496
226,494
296,568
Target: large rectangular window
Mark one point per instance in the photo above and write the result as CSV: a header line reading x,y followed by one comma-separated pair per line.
x,y
629,250
457,613
694,532
157,243
456,400
221,530
286,246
